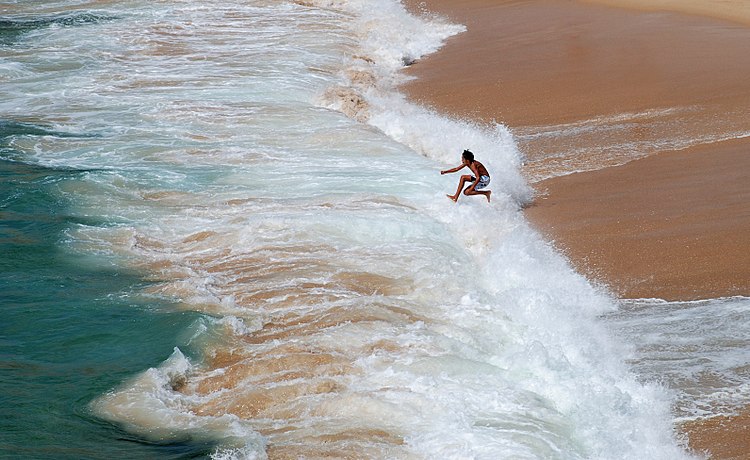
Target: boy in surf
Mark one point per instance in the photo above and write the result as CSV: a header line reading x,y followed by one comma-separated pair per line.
x,y
467,159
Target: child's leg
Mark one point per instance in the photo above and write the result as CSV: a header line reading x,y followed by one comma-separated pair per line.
x,y
461,183
471,191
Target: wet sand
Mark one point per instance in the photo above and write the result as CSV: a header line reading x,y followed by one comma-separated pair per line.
x,y
722,438
674,224
538,65
730,10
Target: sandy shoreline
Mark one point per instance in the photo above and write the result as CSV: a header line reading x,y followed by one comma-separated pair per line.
x,y
612,81
643,79
658,225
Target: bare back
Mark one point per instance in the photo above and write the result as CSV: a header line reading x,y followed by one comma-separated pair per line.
x,y
480,169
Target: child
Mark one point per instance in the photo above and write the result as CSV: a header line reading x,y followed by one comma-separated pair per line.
x,y
467,159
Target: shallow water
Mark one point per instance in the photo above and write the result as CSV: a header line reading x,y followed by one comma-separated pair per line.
x,y
245,229
608,141
72,327
697,348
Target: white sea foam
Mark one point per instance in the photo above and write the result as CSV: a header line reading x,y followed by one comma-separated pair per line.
x,y
348,304
698,346
149,406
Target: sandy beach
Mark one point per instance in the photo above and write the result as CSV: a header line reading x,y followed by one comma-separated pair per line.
x,y
730,10
657,227
625,84
634,119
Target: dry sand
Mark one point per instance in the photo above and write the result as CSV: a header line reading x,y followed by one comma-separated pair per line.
x,y
673,225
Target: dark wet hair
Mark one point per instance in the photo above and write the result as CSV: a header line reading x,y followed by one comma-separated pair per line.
x,y
468,155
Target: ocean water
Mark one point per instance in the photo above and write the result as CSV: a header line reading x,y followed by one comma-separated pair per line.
x,y
72,325
225,235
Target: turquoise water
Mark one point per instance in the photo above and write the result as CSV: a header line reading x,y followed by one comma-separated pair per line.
x,y
71,329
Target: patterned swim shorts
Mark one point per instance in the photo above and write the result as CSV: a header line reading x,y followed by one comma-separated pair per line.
x,y
484,181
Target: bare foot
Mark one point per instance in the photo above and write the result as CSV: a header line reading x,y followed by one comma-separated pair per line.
x,y
488,196
453,198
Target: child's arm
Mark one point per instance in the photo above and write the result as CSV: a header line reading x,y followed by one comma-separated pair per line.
x,y
452,170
